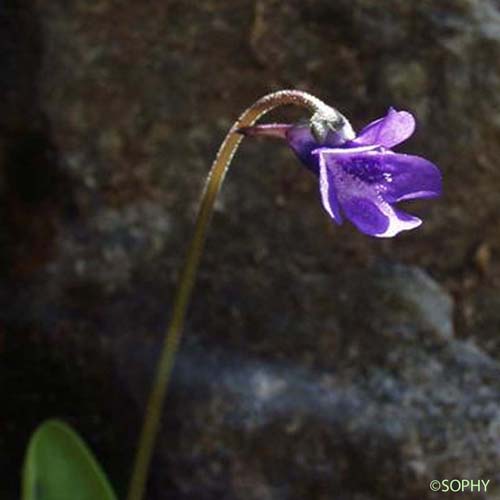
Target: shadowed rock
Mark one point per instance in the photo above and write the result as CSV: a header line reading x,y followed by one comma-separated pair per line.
x,y
310,373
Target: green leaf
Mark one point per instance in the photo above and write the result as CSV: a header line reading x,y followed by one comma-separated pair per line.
x,y
59,466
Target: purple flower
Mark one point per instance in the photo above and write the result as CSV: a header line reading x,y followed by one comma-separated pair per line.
x,y
362,179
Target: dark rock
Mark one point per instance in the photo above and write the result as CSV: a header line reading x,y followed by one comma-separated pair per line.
x,y
312,372
401,300
425,407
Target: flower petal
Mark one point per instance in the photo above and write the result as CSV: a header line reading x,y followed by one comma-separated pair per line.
x,y
396,176
303,143
409,177
365,215
377,218
360,182
328,193
398,221
388,131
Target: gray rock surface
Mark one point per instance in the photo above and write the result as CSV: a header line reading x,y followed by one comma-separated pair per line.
x,y
319,363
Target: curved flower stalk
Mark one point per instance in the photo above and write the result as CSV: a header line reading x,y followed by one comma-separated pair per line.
x,y
360,177
325,121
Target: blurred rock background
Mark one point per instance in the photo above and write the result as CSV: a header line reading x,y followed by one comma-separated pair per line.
x,y
318,363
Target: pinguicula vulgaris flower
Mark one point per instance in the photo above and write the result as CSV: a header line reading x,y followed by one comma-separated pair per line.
x,y
360,177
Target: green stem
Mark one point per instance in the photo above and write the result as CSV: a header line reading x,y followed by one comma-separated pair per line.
x,y
187,278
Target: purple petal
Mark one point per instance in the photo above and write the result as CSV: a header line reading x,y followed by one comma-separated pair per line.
x,y
303,143
328,193
360,182
398,221
365,215
388,131
408,177
378,218
396,176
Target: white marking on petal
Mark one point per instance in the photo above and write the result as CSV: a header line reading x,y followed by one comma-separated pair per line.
x,y
396,225
418,194
345,151
324,187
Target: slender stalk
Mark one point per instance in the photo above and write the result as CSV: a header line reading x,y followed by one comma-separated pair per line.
x,y
187,278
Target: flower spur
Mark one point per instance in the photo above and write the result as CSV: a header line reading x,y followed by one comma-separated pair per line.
x,y
360,177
